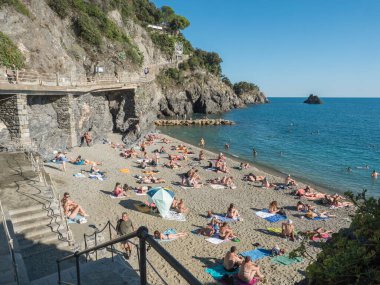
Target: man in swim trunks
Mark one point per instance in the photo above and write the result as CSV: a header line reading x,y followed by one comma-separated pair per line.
x,y
288,230
248,270
126,227
232,260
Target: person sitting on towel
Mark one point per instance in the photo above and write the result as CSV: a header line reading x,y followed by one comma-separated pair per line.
x,y
288,230
181,208
249,270
289,181
225,232
70,208
232,212
232,260
161,236
118,191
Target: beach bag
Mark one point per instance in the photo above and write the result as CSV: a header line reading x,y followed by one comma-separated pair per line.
x,y
118,226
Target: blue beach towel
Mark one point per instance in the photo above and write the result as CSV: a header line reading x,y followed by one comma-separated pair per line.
x,y
218,271
75,220
276,218
223,219
257,253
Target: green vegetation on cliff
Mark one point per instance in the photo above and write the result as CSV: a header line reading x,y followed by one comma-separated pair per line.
x,y
353,254
91,24
10,55
17,4
244,87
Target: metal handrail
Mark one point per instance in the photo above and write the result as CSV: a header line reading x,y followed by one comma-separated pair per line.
x,y
144,237
10,246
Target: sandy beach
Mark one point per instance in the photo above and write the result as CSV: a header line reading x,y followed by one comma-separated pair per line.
x,y
194,252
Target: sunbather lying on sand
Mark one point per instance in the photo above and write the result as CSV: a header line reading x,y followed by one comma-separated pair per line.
x,y
311,215
150,179
301,207
302,191
95,170
253,178
191,179
70,208
211,229
165,140
244,165
225,181
161,236
129,153
172,164
319,233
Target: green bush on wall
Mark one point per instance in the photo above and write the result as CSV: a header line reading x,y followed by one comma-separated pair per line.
x,y
10,55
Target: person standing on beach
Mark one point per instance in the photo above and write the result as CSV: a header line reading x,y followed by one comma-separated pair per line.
x,y
124,227
202,143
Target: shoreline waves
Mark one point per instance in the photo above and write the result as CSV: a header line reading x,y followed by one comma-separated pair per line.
x,y
194,252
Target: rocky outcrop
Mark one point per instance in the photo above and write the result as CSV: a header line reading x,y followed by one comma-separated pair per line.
x,y
313,99
253,97
199,93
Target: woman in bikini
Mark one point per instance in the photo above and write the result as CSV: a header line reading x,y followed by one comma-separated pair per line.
x,y
70,208
232,212
273,207
225,232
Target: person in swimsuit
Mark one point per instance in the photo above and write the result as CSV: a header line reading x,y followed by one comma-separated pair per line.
x,y
374,174
232,212
161,236
70,208
232,260
225,232
248,271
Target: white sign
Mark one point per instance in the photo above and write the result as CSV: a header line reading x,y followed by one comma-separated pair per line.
x,y
99,69
178,48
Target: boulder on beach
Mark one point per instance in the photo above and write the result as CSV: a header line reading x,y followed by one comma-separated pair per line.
x,y
313,99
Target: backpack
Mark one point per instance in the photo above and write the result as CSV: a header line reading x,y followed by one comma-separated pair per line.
x,y
118,227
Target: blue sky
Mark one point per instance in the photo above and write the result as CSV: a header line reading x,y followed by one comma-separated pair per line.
x,y
291,47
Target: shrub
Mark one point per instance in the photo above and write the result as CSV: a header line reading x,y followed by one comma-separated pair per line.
x,y
86,28
243,87
170,76
10,55
164,42
61,7
226,80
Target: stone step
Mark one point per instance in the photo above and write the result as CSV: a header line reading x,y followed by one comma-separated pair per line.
x,y
31,215
31,208
31,233
46,239
38,249
20,227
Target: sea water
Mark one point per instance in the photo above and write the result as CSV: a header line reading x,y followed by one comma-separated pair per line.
x,y
314,142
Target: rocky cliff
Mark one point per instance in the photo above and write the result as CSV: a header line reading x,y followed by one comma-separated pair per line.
x,y
51,44
313,99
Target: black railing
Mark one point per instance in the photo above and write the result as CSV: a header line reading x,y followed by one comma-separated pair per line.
x,y
144,237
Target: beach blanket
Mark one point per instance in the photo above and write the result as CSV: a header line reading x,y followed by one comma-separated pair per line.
x,y
223,219
272,218
285,260
96,176
174,216
124,170
79,175
211,169
257,253
187,187
218,271
77,220
140,194
323,238
217,186
215,240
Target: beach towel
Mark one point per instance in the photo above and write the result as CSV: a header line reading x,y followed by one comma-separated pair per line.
x,y
215,240
223,219
211,169
96,176
79,175
257,253
140,194
285,260
323,238
275,230
174,216
218,271
187,187
272,218
77,220
217,186
124,170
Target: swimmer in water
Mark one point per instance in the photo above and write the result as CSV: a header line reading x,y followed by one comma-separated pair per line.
x,y
226,146
254,152
349,169
374,174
